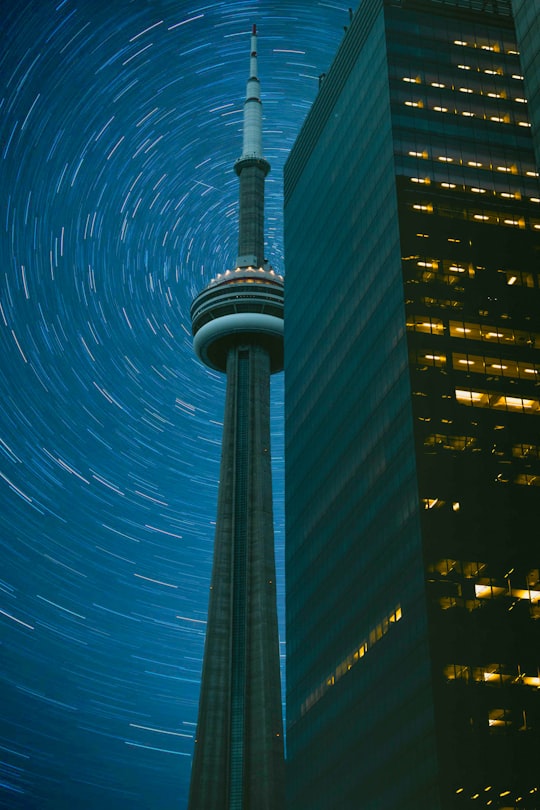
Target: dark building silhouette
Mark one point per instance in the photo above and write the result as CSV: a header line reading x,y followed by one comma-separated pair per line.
x,y
238,329
412,374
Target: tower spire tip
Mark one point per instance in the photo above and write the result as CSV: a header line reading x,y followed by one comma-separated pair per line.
x,y
254,30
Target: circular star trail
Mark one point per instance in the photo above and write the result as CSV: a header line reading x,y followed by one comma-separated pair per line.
x,y
120,123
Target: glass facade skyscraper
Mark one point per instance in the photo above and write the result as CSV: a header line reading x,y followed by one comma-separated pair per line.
x,y
412,374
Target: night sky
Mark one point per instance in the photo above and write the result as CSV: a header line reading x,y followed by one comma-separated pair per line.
x,y
120,123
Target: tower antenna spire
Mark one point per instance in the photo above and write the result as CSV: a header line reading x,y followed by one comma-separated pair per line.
x,y
251,168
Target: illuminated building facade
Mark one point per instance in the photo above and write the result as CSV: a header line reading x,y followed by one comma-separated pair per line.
x,y
412,373
237,323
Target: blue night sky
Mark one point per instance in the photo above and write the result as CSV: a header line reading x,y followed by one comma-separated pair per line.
x,y
120,123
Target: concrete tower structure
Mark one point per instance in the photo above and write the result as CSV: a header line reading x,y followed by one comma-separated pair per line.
x,y
237,325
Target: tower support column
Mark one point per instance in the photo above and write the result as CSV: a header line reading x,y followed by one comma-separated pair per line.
x,y
238,759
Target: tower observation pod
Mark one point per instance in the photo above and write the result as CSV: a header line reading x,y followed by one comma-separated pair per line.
x,y
237,324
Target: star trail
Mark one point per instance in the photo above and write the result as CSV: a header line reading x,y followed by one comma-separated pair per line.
x,y
120,123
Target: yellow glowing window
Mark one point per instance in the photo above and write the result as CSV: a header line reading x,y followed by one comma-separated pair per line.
x,y
485,589
428,325
412,79
528,480
464,67
437,84
535,199
420,180
467,397
468,114
493,334
428,208
517,76
531,174
500,718
524,124
448,185
460,42
441,109
473,163
465,90
445,159
492,72
521,100
481,217
413,104
478,190
526,451
424,154
432,503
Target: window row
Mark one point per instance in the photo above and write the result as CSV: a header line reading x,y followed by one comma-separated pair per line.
x,y
458,160
479,112
496,400
457,184
474,331
451,273
484,215
480,364
494,674
478,89
456,443
375,635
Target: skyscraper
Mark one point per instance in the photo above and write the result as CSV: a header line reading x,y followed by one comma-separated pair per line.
x,y
238,329
412,389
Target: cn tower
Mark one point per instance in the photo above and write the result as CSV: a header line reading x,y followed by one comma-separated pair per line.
x,y
237,323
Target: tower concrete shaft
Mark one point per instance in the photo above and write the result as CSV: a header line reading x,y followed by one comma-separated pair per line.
x,y
237,324
238,761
